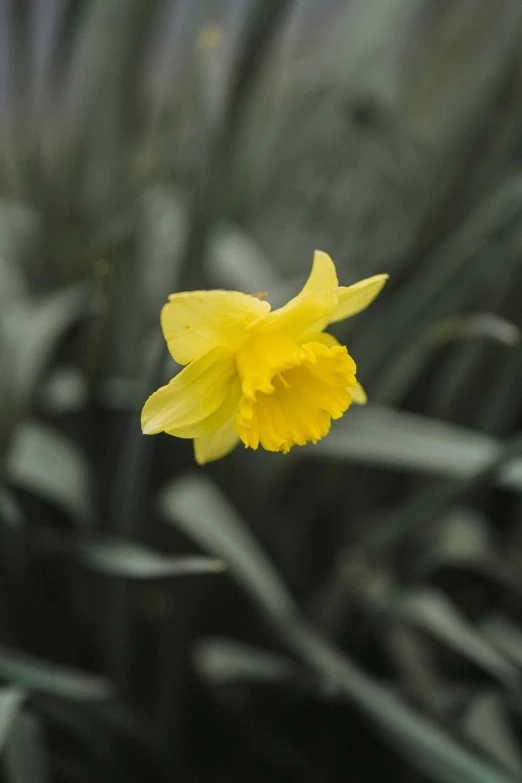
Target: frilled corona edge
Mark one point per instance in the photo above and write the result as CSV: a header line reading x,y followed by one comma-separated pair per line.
x,y
265,377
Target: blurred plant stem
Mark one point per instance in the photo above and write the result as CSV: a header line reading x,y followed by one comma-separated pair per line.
x,y
222,127
218,135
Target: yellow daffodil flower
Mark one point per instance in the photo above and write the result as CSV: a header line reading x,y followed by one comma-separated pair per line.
x,y
269,378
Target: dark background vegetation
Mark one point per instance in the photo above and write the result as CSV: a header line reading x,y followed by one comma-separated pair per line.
x,y
351,611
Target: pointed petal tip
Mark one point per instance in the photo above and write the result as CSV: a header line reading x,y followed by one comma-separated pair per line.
x,y
321,255
146,421
358,394
147,428
352,299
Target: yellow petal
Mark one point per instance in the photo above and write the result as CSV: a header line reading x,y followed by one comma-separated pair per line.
x,y
191,397
319,337
217,445
262,356
358,394
303,401
219,418
314,305
195,322
354,298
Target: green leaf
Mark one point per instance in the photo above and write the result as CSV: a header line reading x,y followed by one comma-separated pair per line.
x,y
222,661
29,332
129,560
39,675
125,559
24,754
473,326
11,701
433,613
64,391
450,329
202,512
430,748
84,125
162,238
505,635
194,504
236,262
487,723
462,537
12,285
47,464
19,233
389,438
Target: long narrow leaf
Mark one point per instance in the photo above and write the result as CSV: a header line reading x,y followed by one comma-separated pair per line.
x,y
36,674
198,507
389,438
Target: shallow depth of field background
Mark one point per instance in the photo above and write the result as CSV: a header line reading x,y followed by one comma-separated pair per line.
x,y
351,611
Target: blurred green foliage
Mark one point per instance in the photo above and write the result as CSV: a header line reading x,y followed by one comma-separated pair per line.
x,y
351,611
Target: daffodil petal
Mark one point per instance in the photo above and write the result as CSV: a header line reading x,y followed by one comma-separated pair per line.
x,y
262,356
358,394
217,445
191,397
314,305
319,337
302,402
354,298
213,423
196,321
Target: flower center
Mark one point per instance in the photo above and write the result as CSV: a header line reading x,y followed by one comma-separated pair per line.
x,y
295,404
